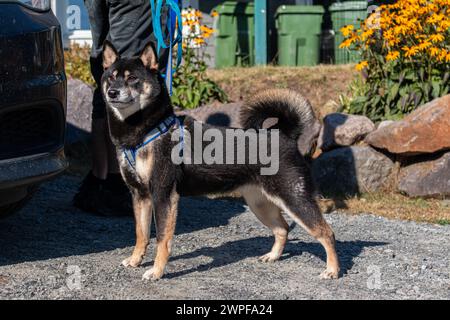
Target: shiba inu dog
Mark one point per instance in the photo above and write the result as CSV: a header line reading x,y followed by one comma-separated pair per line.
x,y
150,140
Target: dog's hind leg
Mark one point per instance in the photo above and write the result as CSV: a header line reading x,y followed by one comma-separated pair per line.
x,y
270,215
143,218
165,219
305,211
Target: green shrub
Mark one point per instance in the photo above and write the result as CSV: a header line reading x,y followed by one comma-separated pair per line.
x,y
405,58
77,63
191,85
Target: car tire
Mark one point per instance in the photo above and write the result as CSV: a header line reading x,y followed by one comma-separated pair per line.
x,y
7,210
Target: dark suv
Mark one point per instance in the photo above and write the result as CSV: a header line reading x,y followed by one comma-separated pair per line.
x,y
32,99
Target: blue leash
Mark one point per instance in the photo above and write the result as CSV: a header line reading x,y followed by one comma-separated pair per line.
x,y
171,26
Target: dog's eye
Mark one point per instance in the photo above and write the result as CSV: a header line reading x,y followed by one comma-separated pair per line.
x,y
111,78
132,79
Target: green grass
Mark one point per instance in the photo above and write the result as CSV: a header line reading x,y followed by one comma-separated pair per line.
x,y
443,222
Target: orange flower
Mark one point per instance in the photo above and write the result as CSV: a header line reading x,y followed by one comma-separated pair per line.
x,y
362,65
199,41
346,31
393,55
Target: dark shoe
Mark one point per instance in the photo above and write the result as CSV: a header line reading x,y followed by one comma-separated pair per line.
x,y
86,198
116,196
103,197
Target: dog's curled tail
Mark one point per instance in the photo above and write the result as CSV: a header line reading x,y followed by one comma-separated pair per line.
x,y
291,108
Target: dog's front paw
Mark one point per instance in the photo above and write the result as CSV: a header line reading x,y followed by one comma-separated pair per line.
x,y
269,257
329,274
132,262
153,274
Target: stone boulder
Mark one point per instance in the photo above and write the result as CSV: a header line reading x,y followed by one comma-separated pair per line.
x,y
351,170
426,179
426,130
385,123
340,130
79,110
228,115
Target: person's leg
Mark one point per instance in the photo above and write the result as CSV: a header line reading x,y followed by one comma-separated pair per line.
x,y
101,147
103,185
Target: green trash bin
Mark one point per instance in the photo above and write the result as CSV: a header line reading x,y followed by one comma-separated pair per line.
x,y
299,28
343,14
235,40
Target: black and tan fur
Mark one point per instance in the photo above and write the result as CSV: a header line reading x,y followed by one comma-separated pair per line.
x,y
138,101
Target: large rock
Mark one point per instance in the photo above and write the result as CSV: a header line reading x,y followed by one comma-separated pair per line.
x,y
228,115
79,111
426,130
351,170
385,123
340,130
426,179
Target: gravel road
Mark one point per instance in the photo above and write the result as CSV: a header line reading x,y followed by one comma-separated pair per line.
x,y
51,250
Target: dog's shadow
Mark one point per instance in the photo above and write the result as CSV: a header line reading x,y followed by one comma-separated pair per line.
x,y
197,213
235,251
52,228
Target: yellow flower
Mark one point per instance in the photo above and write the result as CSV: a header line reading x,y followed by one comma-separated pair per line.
x,y
199,41
214,13
346,31
424,45
393,55
410,52
206,29
442,55
434,51
345,44
362,65
437,38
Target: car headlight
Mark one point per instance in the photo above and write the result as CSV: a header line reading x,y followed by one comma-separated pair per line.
x,y
42,5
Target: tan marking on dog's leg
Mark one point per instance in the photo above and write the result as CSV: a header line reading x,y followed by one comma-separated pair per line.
x,y
312,220
270,215
166,222
143,219
144,165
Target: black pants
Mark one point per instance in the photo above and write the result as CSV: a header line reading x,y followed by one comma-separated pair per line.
x,y
127,24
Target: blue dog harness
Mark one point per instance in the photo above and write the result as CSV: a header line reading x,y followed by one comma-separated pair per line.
x,y
131,153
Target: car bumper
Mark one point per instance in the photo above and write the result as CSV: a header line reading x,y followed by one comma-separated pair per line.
x,y
16,175
32,83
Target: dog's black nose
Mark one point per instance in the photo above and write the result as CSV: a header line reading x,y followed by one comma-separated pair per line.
x,y
113,93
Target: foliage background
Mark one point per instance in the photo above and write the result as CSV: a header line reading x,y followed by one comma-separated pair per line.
x,y
405,51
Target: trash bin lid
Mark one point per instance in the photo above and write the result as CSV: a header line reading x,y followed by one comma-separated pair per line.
x,y
233,8
299,9
349,6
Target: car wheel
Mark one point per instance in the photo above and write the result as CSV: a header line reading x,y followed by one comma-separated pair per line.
x,y
11,208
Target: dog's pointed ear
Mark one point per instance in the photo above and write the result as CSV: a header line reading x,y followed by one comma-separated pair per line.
x,y
148,57
110,54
